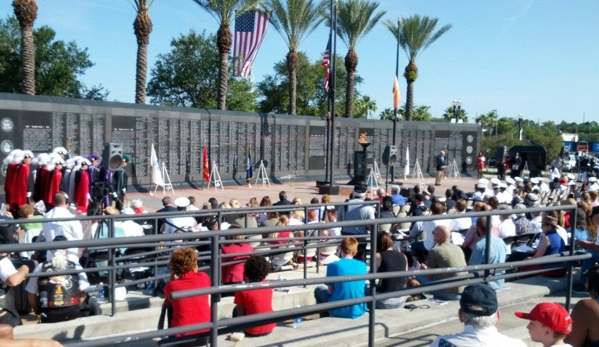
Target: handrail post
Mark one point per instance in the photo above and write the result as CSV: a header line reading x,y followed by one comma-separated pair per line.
x,y
570,265
372,311
112,276
487,247
305,244
215,298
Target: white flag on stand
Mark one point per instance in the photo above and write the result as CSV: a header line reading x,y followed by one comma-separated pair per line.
x,y
406,169
155,167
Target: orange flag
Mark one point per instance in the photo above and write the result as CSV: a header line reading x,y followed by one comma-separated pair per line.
x,y
206,166
396,94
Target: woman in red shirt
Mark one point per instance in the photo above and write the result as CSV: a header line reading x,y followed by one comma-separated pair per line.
x,y
185,276
255,301
283,220
234,273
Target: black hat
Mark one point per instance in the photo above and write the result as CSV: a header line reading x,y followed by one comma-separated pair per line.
x,y
360,188
479,300
60,238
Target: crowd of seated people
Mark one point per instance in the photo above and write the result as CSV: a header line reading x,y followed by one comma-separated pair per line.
x,y
433,244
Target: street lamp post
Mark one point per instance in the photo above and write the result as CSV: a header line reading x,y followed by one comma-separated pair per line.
x,y
457,105
520,127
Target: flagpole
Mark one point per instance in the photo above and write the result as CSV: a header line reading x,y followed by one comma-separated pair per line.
x,y
332,85
395,108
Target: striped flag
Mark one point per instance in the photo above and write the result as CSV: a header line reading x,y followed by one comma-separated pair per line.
x,y
396,94
249,167
250,28
326,63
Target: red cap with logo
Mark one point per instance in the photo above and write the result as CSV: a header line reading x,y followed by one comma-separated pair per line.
x,y
551,315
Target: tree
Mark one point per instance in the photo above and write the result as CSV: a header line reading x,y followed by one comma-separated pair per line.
x,y
224,11
364,106
488,121
414,34
355,19
185,77
58,65
449,114
312,100
295,20
387,114
420,113
26,13
142,27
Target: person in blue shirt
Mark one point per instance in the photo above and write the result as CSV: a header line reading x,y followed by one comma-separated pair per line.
x,y
497,252
344,290
396,198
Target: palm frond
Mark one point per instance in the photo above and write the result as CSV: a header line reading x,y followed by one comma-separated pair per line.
x,y
224,11
355,19
418,33
295,19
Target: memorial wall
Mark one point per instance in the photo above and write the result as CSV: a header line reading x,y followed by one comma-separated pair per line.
x,y
288,145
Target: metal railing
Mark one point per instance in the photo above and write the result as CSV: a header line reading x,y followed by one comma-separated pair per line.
x,y
476,273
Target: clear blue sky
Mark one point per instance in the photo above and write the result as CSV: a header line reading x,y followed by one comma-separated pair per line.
x,y
534,57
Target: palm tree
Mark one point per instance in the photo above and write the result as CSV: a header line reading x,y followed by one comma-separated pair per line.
x,y
487,121
415,34
355,19
295,20
365,106
142,26
449,114
224,11
26,12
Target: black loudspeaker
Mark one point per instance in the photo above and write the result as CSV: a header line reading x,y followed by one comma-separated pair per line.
x,y
112,157
390,155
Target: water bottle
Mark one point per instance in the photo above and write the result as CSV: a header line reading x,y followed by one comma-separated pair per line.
x,y
297,321
101,292
150,287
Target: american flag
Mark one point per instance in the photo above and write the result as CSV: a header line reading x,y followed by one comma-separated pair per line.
x,y
326,63
250,29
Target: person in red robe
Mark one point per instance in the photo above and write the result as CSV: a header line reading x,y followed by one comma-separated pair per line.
x,y
21,185
41,176
11,164
54,169
82,185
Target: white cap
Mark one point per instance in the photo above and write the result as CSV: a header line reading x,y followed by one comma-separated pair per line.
x,y
483,181
593,179
519,179
502,185
495,181
128,210
59,150
540,179
510,180
534,180
182,202
571,176
481,186
572,183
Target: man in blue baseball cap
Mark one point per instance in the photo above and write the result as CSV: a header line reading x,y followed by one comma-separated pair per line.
x,y
479,311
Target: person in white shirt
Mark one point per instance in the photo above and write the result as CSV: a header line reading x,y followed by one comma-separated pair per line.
x,y
72,229
462,223
544,187
479,311
180,224
507,227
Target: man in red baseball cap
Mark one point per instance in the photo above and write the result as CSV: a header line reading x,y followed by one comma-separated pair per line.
x,y
549,324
